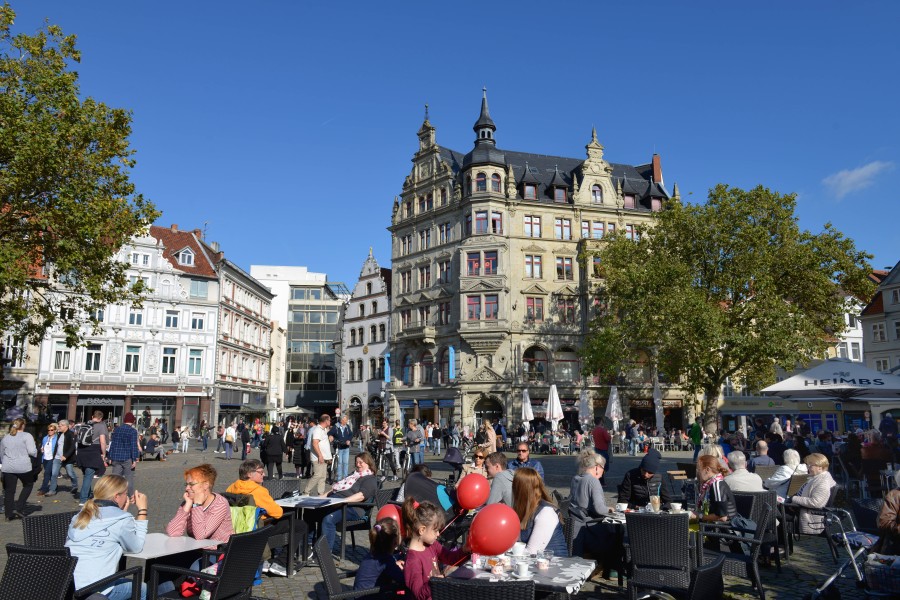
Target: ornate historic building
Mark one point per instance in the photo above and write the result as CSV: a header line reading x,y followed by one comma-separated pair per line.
x,y
490,293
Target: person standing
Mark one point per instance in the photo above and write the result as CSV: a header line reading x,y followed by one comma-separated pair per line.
x,y
185,438
602,439
17,448
320,455
67,447
454,435
176,439
342,435
246,436
696,435
124,452
49,449
412,440
397,438
230,436
204,435
220,439
274,450
91,457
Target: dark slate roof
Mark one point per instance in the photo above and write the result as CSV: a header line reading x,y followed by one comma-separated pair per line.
x,y
484,119
543,168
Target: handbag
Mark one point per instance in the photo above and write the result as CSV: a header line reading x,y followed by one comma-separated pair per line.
x,y
229,439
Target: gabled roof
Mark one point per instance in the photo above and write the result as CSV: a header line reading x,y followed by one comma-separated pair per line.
x,y
175,240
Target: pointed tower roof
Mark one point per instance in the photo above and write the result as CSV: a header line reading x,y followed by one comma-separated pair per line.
x,y
484,119
485,150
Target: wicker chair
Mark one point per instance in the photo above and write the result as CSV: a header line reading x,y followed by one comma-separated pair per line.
x,y
370,510
35,575
336,590
47,531
237,571
866,512
750,505
89,592
447,588
706,583
279,488
740,564
665,567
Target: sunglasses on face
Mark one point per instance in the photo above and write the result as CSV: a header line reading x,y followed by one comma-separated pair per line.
x,y
479,456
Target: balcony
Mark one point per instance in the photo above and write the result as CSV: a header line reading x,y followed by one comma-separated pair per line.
x,y
418,332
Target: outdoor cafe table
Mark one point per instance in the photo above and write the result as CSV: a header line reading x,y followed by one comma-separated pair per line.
x,y
159,545
564,576
311,509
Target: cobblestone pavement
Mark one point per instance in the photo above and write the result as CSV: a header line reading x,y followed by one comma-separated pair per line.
x,y
163,483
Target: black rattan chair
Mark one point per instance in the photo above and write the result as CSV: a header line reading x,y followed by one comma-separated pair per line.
x,y
279,488
447,588
750,505
865,513
336,590
237,571
706,584
370,510
47,531
656,566
739,564
36,575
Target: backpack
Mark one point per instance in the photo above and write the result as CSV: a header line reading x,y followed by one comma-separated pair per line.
x,y
84,434
398,437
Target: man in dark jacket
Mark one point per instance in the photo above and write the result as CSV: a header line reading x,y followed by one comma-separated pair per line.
x,y
67,439
644,481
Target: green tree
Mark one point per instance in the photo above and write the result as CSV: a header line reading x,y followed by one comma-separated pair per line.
x,y
729,288
68,205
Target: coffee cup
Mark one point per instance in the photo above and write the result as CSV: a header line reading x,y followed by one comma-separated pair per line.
x,y
621,506
676,507
518,549
543,563
522,568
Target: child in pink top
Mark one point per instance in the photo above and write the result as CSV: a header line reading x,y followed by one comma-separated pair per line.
x,y
423,522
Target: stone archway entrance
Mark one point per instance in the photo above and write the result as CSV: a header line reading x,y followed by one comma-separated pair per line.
x,y
487,407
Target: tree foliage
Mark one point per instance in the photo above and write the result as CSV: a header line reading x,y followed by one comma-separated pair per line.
x,y
68,205
731,288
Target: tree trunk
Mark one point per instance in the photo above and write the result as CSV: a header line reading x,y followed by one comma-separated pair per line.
x,y
711,401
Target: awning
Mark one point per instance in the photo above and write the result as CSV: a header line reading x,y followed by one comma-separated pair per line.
x,y
837,379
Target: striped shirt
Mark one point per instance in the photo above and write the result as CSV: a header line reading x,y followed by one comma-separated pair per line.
x,y
210,523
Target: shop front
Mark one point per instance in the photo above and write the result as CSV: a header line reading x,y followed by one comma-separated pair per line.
x,y
819,415
408,410
487,407
113,408
152,409
644,412
236,404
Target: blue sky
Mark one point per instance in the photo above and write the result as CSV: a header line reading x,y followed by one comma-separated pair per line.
x,y
286,128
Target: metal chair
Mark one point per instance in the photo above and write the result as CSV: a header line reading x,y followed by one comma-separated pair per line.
x,y
665,567
739,564
47,531
237,570
447,588
336,590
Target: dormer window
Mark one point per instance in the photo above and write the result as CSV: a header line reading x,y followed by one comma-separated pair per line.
x,y
559,194
186,258
629,201
597,194
481,182
495,183
530,191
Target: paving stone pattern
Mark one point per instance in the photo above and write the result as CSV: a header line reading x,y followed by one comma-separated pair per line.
x,y
163,483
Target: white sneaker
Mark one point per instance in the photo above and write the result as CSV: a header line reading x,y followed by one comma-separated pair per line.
x,y
265,566
276,568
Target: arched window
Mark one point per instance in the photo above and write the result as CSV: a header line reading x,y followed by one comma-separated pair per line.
x,y
352,338
359,369
443,196
566,365
406,370
427,369
373,373
535,364
444,367
352,373
381,368
495,183
597,194
481,182
381,332
372,337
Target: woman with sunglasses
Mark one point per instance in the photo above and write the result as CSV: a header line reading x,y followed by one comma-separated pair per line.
x,y
51,453
477,465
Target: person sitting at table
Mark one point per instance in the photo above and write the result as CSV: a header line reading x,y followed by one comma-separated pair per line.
x,y
762,458
203,515
742,480
103,531
424,522
538,514
719,452
477,465
644,481
359,486
715,500
815,493
587,502
379,568
250,478
781,478
501,479
523,459
889,522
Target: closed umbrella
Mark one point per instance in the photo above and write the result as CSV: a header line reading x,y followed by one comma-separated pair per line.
x,y
585,410
657,404
613,408
554,408
527,413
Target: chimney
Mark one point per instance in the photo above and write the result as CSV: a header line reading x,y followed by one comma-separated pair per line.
x,y
657,170
214,246
199,233
174,227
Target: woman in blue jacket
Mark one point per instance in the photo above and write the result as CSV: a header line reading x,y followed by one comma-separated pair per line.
x,y
103,531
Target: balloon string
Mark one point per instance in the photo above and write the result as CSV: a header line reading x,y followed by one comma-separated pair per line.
x,y
461,512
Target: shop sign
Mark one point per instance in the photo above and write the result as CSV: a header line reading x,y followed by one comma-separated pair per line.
x,y
82,401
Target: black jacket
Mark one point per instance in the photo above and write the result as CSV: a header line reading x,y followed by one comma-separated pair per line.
x,y
68,441
635,490
274,447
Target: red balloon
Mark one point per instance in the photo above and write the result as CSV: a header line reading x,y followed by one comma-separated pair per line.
x,y
391,511
473,491
494,530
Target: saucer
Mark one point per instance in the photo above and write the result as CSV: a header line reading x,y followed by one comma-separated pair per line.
x,y
529,575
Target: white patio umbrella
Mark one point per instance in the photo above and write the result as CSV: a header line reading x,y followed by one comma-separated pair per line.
x,y
657,405
613,408
554,408
527,413
585,407
837,379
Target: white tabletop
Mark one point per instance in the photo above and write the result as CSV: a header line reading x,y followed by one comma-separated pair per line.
x,y
159,544
309,502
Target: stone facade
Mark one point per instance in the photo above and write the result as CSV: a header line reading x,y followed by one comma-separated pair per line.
x,y
491,287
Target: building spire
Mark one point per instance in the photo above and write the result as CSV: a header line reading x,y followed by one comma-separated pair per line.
x,y
484,126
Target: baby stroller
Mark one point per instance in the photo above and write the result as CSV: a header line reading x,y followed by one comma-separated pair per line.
x,y
455,459
467,445
839,526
